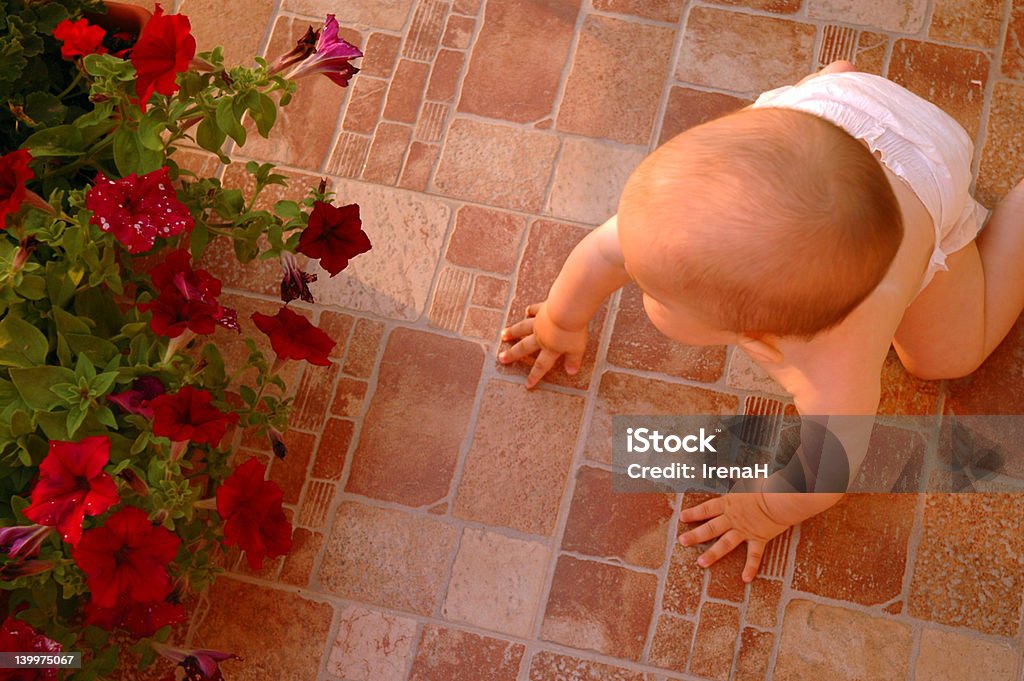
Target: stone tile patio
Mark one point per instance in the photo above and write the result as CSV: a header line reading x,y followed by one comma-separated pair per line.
x,y
452,526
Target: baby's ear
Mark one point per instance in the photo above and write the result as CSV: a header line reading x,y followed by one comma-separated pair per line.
x,y
761,349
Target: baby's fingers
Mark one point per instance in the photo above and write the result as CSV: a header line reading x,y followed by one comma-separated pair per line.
x,y
715,527
523,348
518,330
755,549
545,360
708,509
727,543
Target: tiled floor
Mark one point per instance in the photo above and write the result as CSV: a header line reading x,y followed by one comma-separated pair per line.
x,y
450,525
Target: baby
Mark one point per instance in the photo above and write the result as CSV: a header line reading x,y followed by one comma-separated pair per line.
x,y
813,229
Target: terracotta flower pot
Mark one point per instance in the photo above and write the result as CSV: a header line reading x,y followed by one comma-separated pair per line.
x,y
122,18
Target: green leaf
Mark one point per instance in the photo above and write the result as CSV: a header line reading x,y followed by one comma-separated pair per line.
x,y
106,417
60,140
248,394
34,385
98,350
131,156
101,385
228,120
21,343
45,108
263,112
229,203
32,287
150,128
288,210
75,419
209,136
68,323
53,425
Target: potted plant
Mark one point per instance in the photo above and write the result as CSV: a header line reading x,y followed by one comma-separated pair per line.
x,y
118,491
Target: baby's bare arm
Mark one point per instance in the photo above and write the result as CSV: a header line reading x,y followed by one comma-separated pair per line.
x,y
558,326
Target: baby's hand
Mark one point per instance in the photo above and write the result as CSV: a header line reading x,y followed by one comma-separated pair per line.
x,y
735,517
539,333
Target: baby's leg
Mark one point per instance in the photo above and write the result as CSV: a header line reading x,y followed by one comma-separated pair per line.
x,y
963,314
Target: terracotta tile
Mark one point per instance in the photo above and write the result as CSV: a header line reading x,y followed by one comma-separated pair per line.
x,y
290,472
404,409
364,105
857,550
1013,49
333,450
387,558
406,91
725,580
658,10
419,164
622,394
349,397
549,666
486,239
527,43
894,462
337,325
548,244
470,7
232,345
904,395
742,52
305,128
589,178
496,165
482,323
387,153
258,276
316,503
753,660
372,646
764,603
458,32
298,564
235,25
952,78
276,649
461,656
715,642
308,409
199,161
363,348
444,77
950,656
450,296
430,126
901,16
969,566
683,585
623,107
636,344
688,107
671,646
424,32
630,526
393,281
970,22
349,155
497,582
746,375
387,14
489,292
599,607
518,464
822,641
1004,141
381,54
995,387
777,6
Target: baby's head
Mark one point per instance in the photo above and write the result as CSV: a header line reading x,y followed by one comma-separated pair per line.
x,y
766,221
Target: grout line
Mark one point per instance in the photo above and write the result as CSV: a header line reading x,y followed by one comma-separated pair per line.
x,y
995,68
670,79
915,652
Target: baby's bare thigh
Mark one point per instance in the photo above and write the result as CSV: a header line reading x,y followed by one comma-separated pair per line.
x,y
942,334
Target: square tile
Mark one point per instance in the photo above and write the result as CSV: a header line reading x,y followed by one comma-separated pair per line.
x,y
372,646
589,178
671,646
949,656
486,239
715,642
548,666
901,16
455,655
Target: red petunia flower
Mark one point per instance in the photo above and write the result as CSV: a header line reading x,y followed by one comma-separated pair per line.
x,y
199,665
187,299
293,337
141,619
334,236
80,38
18,636
136,399
164,49
138,209
189,415
71,485
127,557
254,519
14,175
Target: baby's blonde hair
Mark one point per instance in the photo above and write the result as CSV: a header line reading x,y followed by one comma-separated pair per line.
x,y
767,221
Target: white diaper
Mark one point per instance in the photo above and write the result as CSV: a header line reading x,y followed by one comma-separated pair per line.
x,y
918,141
